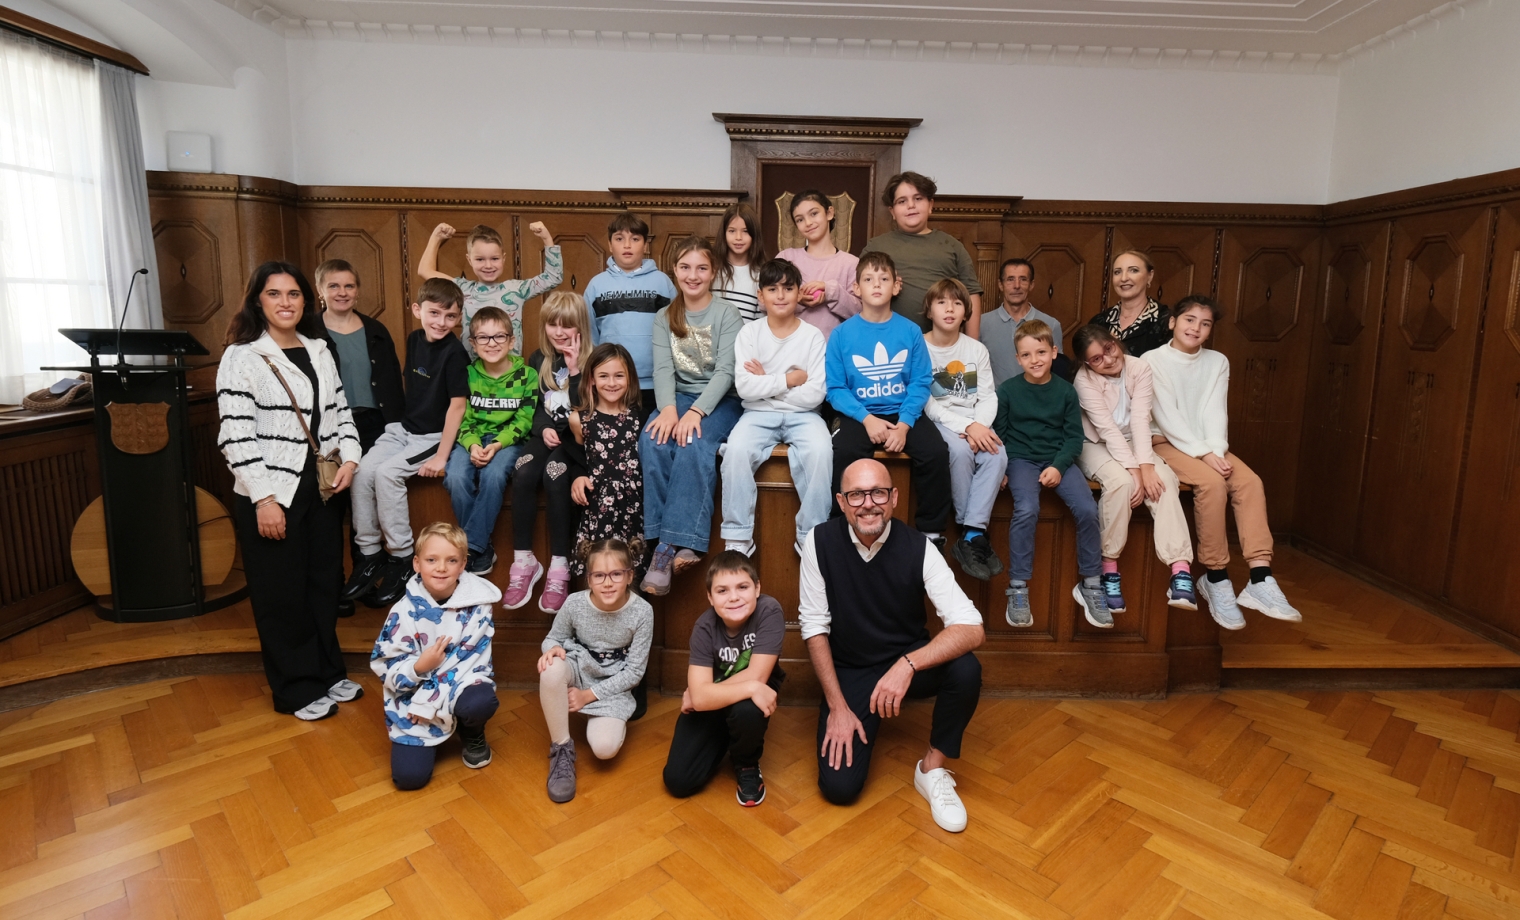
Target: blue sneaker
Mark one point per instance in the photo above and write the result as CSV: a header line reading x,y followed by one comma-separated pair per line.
x,y
1112,595
1180,592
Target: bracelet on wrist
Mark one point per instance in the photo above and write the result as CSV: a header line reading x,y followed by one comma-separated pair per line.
x,y
911,665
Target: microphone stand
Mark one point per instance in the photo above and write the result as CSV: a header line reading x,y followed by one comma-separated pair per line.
x,y
126,305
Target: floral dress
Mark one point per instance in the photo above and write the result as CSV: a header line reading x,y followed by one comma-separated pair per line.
x,y
616,507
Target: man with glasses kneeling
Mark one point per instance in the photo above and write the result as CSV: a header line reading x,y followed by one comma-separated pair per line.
x,y
863,580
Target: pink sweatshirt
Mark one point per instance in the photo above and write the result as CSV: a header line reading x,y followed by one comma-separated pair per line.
x,y
837,274
1098,398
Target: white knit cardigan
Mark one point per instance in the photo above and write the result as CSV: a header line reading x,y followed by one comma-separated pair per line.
x,y
260,436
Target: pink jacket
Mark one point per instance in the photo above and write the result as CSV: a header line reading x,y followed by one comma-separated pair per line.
x,y
1131,448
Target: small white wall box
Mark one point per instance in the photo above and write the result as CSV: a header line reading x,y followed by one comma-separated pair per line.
x,y
189,152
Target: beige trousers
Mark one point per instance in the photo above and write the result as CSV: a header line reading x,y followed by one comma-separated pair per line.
x,y
1170,528
1212,492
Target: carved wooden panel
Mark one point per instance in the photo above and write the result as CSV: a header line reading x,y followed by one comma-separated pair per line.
x,y
1432,292
370,240
1268,294
1068,267
1183,256
190,270
1424,384
356,247
1348,285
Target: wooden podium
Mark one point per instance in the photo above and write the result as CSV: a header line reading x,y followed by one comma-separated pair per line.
x,y
147,478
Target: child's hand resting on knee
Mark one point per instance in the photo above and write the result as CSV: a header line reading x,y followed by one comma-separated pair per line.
x,y
547,659
433,655
1218,464
764,698
581,698
877,429
897,439
1050,477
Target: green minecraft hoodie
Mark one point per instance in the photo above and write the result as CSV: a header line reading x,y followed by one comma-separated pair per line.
x,y
500,407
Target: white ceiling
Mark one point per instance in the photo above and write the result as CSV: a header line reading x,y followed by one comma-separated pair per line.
x,y
1315,28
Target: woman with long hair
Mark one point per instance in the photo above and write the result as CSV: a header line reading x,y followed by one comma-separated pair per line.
x,y
278,390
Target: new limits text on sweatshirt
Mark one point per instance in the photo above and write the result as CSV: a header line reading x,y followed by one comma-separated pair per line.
x,y
622,306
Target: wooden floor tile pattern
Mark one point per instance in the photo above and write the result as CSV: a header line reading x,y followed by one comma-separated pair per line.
x,y
191,799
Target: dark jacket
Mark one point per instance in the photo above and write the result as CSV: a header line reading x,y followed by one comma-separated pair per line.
x,y
384,368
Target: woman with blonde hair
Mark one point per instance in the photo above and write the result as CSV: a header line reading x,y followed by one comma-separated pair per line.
x,y
1135,319
564,338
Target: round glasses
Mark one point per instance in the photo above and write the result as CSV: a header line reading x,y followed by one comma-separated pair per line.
x,y
857,497
1100,357
613,577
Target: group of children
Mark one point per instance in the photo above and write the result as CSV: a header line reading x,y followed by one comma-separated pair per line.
x,y
641,383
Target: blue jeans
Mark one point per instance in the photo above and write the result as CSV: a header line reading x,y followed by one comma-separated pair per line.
x,y
810,453
679,481
1024,485
974,479
476,491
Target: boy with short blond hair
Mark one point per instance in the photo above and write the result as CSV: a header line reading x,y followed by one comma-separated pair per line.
x,y
486,253
437,384
1039,421
503,391
621,302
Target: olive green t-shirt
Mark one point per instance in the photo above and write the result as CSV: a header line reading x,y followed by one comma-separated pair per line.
x,y
921,261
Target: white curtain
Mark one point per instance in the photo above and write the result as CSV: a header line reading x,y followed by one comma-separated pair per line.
x,y
128,229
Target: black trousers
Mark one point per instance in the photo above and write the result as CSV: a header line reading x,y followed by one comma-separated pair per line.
x,y
930,464
534,468
702,738
293,586
412,764
956,687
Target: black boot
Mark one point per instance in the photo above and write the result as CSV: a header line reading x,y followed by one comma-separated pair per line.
x,y
366,572
392,581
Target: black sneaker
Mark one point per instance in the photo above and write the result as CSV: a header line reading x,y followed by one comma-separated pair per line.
x,y
981,549
751,791
481,563
939,541
367,572
965,553
392,582
345,609
477,751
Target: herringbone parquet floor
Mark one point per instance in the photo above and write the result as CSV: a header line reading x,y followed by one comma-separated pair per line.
x,y
190,798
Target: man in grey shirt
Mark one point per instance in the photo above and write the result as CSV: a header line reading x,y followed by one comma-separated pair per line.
x,y
1015,277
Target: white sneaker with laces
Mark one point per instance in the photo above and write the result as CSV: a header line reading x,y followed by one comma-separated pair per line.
x,y
320,708
1220,598
1267,597
938,787
747,547
345,691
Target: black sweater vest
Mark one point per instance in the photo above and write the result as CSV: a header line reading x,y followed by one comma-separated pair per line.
x,y
877,607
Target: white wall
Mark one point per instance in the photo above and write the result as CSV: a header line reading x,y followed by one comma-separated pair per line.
x,y
519,117
1441,103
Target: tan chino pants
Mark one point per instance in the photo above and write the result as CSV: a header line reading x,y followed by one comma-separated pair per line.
x,y
1212,492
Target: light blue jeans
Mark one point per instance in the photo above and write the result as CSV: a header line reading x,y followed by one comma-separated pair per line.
x,y
974,479
810,453
679,481
476,492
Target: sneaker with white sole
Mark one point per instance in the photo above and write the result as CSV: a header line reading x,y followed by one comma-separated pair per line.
x,y
1220,598
657,579
938,787
1093,603
477,751
345,691
320,708
556,589
1267,597
521,578
747,547
1018,613
1180,592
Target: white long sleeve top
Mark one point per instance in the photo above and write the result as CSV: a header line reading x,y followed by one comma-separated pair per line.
x,y
768,392
962,390
1190,404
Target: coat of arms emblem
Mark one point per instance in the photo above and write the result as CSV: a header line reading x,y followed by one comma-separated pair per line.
x,y
139,428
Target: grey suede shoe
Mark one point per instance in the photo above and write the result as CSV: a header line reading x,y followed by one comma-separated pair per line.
x,y
562,771
1018,613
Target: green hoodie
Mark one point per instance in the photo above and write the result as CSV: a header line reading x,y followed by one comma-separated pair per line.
x,y
500,406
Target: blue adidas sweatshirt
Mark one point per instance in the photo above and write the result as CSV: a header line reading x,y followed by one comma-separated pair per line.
x,y
878,368
622,306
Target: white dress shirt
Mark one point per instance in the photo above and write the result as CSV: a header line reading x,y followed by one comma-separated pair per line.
x,y
950,602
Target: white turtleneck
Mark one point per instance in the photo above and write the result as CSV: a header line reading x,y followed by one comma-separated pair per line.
x,y
1190,406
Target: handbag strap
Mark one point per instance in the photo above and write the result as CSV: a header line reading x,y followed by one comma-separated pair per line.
x,y
300,416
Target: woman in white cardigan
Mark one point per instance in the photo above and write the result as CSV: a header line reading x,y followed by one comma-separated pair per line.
x,y
292,540
1115,392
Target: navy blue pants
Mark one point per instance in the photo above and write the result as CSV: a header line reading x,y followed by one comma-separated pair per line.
x,y
412,764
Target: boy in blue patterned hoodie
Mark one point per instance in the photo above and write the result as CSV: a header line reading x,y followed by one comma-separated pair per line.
x,y
434,658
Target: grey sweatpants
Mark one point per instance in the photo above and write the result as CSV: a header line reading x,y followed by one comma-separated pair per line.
x,y
975,479
379,489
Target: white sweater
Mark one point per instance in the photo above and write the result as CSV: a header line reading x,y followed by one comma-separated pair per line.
x,y
968,394
260,436
1190,406
768,392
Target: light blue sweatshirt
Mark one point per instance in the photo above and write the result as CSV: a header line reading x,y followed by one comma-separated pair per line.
x,y
622,306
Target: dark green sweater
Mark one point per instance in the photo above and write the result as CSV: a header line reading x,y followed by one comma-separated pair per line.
x,y
1041,424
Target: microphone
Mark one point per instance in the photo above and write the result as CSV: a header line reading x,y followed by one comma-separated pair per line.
x,y
126,304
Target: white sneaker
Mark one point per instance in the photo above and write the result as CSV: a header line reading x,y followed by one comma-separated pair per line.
x,y
1220,598
1267,597
938,787
345,691
747,547
320,708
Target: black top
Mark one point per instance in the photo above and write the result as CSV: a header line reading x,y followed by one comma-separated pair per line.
x,y
727,655
553,409
436,372
1147,332
301,358
877,607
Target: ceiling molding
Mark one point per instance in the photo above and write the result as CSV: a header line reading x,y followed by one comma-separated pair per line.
x,y
871,49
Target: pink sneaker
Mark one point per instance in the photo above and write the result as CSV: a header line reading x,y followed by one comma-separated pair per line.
x,y
520,581
556,589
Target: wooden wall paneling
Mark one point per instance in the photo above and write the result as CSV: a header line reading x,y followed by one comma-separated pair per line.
x,y
1069,272
417,227
1422,393
370,240
200,254
1490,506
1267,289
1343,347
978,223
1185,257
